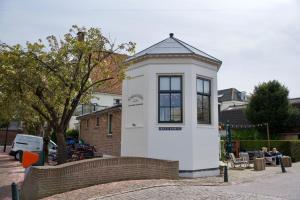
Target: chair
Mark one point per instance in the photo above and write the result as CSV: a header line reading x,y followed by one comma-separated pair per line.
x,y
245,157
237,161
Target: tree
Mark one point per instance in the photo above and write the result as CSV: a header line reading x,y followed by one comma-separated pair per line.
x,y
269,104
54,78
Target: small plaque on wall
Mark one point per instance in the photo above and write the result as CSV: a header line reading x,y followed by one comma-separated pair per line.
x,y
170,128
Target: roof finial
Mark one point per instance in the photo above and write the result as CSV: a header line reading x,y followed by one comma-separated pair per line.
x,y
171,35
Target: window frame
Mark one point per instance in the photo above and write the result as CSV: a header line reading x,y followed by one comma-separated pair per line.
x,y
87,123
109,123
97,121
170,92
202,94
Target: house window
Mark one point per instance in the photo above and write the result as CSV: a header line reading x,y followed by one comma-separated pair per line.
x,y
170,99
97,121
87,123
203,101
110,124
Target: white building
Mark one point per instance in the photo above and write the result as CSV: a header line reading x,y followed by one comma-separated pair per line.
x,y
170,107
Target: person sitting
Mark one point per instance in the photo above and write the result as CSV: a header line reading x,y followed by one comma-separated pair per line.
x,y
276,154
267,155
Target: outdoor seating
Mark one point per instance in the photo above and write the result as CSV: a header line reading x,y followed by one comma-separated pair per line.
x,y
237,161
245,156
269,159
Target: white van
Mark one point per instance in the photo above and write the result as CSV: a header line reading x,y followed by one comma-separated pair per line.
x,y
32,143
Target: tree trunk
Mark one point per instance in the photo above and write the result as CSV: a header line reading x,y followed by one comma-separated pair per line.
x,y
62,147
46,142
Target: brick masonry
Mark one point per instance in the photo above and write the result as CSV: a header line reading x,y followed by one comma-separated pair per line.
x,y
99,136
45,181
11,134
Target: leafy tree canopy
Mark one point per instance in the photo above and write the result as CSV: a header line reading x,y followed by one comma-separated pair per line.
x,y
269,104
52,78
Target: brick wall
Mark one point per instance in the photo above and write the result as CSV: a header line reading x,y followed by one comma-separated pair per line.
x,y
45,181
11,134
98,136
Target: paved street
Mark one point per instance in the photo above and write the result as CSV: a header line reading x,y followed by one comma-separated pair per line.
x,y
277,186
10,171
284,185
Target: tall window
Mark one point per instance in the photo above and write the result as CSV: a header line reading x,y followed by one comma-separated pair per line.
x,y
97,121
170,99
110,124
203,101
87,123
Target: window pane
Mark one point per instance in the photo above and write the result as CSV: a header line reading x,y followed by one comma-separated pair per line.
x,y
164,114
206,115
207,87
175,100
175,83
164,83
199,85
176,114
203,109
199,109
164,100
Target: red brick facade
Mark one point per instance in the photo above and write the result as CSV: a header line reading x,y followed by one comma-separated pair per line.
x,y
97,133
11,134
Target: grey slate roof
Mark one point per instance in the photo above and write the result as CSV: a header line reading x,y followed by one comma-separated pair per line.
x,y
172,45
230,94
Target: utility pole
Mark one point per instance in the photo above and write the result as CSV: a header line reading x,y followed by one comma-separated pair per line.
x,y
268,133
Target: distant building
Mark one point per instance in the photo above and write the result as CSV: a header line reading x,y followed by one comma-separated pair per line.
x,y
14,128
231,97
236,116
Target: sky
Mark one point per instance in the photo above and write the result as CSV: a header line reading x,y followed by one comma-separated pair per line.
x,y
257,40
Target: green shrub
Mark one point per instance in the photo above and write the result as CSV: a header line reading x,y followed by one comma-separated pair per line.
x,y
223,152
295,150
286,147
247,134
72,133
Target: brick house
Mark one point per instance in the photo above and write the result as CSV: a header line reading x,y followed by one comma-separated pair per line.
x,y
103,130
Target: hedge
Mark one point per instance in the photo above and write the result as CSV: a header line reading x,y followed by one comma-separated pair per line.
x,y
287,147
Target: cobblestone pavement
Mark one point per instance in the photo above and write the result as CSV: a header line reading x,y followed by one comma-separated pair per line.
x,y
10,171
243,184
184,192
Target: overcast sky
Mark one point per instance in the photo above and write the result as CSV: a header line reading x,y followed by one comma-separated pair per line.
x,y
257,40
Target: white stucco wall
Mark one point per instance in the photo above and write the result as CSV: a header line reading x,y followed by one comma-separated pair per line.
x,y
195,146
104,99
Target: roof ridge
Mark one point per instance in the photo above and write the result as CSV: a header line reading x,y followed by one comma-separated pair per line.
x,y
179,42
147,48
